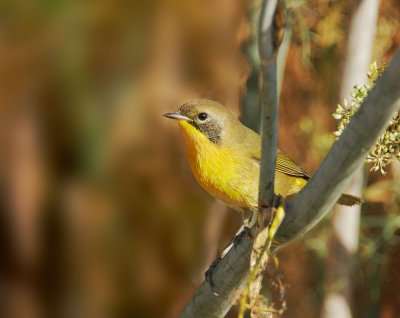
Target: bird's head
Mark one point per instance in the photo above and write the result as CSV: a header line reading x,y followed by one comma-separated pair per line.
x,y
203,118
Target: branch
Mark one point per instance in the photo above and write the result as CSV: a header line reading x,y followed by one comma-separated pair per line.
x,y
268,45
270,34
346,155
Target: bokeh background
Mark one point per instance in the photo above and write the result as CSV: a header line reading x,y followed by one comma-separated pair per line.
x,y
99,213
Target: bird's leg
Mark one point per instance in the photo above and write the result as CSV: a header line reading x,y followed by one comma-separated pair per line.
x,y
253,219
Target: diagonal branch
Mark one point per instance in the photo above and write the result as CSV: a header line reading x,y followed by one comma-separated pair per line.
x,y
346,155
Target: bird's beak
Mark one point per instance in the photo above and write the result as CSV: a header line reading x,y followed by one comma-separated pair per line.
x,y
176,116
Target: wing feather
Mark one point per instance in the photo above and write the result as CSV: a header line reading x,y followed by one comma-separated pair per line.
x,y
287,166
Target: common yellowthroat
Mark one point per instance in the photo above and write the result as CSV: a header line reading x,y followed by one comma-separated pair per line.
x,y
224,156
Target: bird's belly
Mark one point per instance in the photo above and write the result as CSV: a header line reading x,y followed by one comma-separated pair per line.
x,y
228,177
234,179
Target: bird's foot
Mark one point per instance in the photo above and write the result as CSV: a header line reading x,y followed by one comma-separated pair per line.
x,y
253,219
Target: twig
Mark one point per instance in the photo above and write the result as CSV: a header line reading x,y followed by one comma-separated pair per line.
x,y
270,35
266,238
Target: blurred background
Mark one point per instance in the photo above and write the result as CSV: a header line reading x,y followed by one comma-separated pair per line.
x,y
99,213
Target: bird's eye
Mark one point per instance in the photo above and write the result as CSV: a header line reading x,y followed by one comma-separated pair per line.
x,y
202,116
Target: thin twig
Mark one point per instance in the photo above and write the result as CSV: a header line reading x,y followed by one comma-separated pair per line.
x,y
262,257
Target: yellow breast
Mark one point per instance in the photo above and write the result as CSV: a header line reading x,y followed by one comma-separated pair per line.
x,y
227,174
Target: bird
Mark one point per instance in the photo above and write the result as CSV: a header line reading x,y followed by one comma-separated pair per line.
x,y
224,156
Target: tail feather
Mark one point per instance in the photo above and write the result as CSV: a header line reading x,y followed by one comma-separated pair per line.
x,y
349,200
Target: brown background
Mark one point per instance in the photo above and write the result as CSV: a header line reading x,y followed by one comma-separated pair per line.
x,y
99,213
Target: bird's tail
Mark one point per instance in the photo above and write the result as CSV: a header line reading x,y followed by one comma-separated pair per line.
x,y
349,200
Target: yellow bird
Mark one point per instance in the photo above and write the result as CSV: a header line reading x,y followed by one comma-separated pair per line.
x,y
224,156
